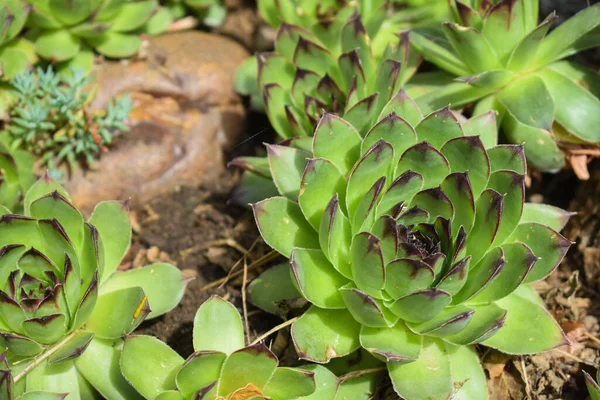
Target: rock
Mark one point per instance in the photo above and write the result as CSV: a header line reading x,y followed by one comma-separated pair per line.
x,y
186,117
191,66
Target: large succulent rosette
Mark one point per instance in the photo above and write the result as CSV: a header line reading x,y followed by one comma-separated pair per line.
x,y
495,54
64,307
415,244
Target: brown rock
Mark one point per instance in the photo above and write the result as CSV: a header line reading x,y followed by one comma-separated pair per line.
x,y
186,117
190,66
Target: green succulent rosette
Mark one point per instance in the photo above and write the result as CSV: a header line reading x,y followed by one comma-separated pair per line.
x,y
52,121
65,30
64,307
414,243
306,77
309,46
496,55
222,366
16,176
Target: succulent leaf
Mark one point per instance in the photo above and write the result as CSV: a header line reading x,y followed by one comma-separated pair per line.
x,y
209,335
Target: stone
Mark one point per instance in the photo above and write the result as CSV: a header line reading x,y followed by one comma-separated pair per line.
x,y
186,118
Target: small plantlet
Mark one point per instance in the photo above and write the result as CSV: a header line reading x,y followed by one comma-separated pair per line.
x,y
414,243
51,119
503,60
64,307
222,367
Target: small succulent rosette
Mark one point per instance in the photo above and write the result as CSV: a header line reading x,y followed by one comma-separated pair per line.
x,y
64,32
592,385
413,243
318,53
52,119
64,307
222,367
503,60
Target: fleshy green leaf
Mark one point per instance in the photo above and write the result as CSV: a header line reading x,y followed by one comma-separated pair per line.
x,y
439,127
255,364
365,309
149,365
336,140
320,335
99,364
316,278
467,372
368,270
218,326
290,383
111,218
553,217
519,335
536,109
73,348
421,306
163,284
467,154
577,110
561,42
283,226
320,182
427,161
118,313
489,208
202,369
394,344
472,47
429,377
547,244
272,288
287,165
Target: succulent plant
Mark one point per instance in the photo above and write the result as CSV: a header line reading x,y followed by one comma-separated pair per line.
x,y
211,13
222,366
592,385
328,29
65,30
52,121
306,77
64,307
16,53
415,244
500,58
16,176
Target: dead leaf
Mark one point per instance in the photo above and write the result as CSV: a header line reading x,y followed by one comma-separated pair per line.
x,y
246,393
